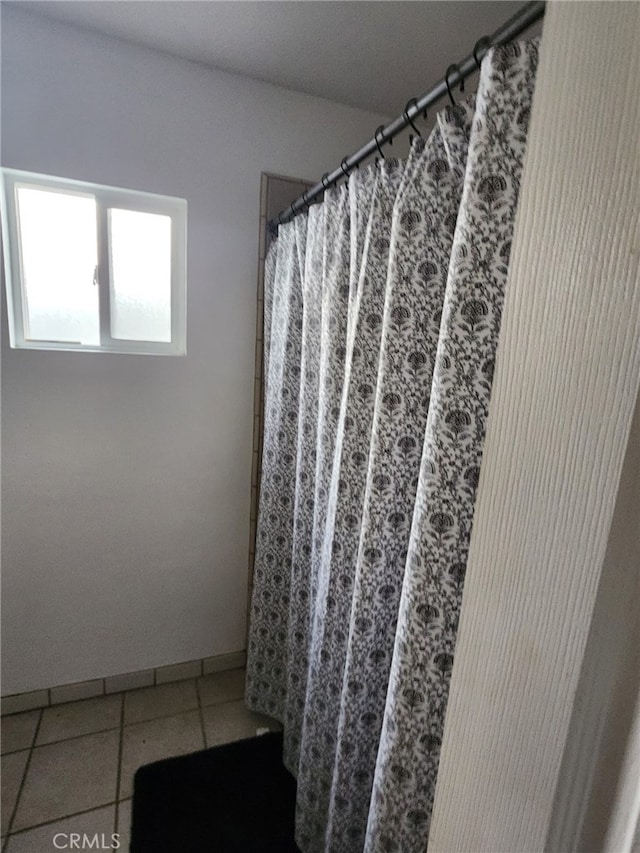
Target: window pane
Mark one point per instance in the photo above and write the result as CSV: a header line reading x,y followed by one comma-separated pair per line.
x,y
140,247
58,240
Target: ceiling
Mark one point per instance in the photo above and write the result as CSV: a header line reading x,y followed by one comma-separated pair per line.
x,y
373,55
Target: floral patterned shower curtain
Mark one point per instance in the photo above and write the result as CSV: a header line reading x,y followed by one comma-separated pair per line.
x,y
382,335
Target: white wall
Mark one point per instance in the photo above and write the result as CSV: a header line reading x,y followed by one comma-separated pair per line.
x,y
126,479
565,389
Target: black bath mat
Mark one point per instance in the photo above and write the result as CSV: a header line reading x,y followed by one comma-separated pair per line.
x,y
236,798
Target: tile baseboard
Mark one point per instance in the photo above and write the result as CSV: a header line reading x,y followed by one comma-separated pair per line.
x,y
33,699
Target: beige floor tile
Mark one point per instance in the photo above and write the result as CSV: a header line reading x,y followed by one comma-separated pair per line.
x,y
18,731
221,686
79,718
12,772
124,824
68,777
232,721
153,740
161,701
98,822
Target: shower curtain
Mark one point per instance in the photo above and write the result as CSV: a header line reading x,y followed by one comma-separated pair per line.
x,y
381,332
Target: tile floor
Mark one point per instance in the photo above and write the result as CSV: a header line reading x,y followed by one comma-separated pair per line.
x,y
69,768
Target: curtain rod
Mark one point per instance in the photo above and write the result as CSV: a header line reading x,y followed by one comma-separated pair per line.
x,y
511,29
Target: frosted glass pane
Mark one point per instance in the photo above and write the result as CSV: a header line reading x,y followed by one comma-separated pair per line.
x,y
140,275
59,248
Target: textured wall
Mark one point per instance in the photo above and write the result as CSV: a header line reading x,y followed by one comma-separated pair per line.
x,y
565,389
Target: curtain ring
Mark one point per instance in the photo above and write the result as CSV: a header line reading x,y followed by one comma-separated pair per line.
x,y
455,67
410,103
485,42
280,218
304,200
345,171
375,136
323,179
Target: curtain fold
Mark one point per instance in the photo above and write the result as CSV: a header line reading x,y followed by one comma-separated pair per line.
x,y
340,542
409,747
268,627
382,316
331,349
424,218
308,409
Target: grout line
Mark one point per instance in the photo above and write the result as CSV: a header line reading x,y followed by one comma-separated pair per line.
x,y
63,817
161,717
124,725
201,712
119,770
226,702
121,726
33,736
117,801
155,683
76,737
24,776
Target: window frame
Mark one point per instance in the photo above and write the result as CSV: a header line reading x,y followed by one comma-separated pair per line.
x,y
106,197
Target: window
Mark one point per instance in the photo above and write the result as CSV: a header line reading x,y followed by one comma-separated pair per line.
x,y
93,268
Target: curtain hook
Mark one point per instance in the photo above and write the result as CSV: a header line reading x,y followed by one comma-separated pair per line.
x,y
305,201
375,136
345,171
454,67
411,103
323,179
485,42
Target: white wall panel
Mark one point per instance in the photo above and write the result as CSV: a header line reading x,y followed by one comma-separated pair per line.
x,y
565,389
